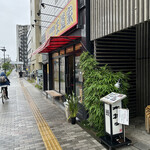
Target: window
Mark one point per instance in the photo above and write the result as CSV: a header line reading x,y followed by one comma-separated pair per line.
x,y
69,49
78,46
55,54
78,78
62,75
62,52
56,74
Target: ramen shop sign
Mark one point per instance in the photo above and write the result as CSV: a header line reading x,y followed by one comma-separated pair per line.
x,y
67,18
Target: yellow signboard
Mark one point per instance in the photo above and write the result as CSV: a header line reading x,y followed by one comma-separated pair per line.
x,y
67,18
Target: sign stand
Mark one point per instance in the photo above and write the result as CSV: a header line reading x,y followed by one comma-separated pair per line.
x,y
115,120
124,133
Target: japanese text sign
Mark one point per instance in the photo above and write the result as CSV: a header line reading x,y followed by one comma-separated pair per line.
x,y
123,116
67,18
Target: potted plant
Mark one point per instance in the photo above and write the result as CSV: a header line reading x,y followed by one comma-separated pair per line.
x,y
67,112
72,101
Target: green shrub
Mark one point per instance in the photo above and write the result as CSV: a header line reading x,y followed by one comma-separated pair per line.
x,y
8,72
98,82
31,80
38,86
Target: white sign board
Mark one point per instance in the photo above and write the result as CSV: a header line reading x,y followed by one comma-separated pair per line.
x,y
113,98
123,116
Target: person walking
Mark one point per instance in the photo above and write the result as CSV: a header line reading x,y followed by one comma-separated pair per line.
x,y
6,82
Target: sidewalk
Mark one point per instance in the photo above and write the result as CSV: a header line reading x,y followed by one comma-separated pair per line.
x,y
70,137
19,129
27,111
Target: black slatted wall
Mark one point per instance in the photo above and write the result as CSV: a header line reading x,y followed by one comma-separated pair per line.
x,y
118,50
143,67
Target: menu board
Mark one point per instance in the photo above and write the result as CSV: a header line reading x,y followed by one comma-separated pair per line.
x,y
123,116
113,97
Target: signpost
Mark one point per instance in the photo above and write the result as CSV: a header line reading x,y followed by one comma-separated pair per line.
x,y
115,119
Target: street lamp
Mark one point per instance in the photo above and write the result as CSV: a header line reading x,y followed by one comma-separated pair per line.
x,y
33,25
118,84
39,13
43,5
4,50
41,21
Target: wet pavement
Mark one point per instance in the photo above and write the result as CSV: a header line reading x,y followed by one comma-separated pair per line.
x,y
18,128
137,133
29,121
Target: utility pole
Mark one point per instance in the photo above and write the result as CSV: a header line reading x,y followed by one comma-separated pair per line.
x,y
4,50
8,58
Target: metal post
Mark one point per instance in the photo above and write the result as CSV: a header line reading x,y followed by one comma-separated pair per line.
x,y
3,49
4,61
124,133
4,56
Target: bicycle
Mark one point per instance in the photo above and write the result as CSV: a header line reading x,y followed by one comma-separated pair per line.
x,y
3,96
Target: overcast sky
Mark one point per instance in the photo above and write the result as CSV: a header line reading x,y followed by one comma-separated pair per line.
x,y
12,12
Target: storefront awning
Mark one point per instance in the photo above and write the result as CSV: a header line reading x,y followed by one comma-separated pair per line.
x,y
55,42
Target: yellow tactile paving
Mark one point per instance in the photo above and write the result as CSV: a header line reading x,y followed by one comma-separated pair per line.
x,y
47,135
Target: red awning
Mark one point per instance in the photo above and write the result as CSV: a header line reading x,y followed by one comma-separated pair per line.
x,y
55,42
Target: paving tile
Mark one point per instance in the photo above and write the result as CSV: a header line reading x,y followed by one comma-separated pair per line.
x,y
19,130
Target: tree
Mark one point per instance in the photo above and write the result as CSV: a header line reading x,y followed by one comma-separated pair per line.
x,y
6,66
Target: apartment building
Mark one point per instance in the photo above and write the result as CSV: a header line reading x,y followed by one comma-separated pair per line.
x,y
21,33
29,50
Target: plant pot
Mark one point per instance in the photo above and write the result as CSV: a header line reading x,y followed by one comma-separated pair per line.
x,y
73,120
67,112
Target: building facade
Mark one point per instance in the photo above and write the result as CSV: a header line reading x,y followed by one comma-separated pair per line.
x,y
64,39
21,33
120,35
34,35
29,50
48,12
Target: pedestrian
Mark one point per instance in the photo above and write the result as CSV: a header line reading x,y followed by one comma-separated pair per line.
x,y
7,82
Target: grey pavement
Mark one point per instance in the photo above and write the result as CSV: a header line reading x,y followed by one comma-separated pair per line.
x,y
19,130
137,133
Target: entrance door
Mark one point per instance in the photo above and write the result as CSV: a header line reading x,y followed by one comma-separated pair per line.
x,y
45,81
69,74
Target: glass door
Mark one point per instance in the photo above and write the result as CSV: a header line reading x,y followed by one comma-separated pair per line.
x,y
78,78
69,74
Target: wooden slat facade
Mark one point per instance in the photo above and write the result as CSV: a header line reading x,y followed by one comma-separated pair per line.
x,y
108,16
143,66
118,51
121,35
